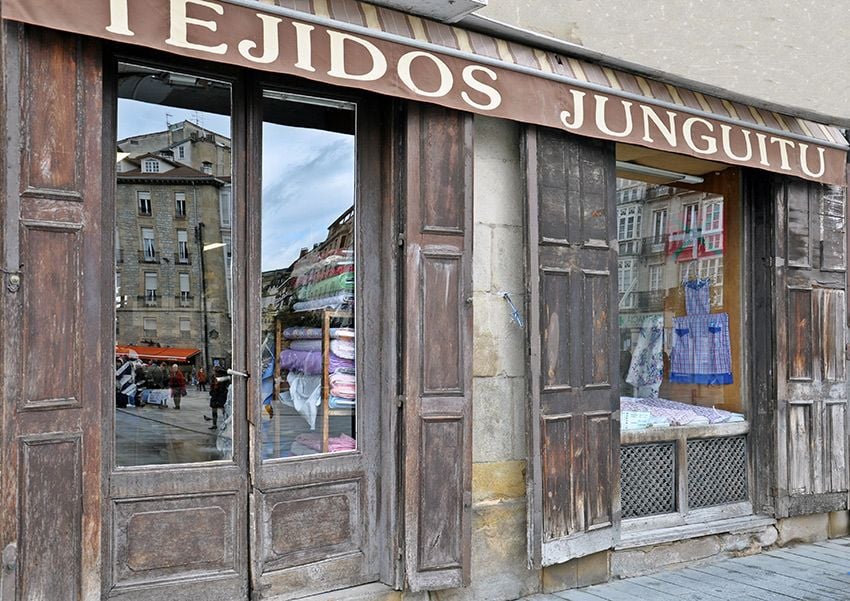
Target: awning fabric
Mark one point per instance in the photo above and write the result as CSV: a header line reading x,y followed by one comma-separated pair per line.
x,y
156,353
359,45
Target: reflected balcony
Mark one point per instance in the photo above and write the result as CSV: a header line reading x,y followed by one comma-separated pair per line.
x,y
146,256
184,300
148,300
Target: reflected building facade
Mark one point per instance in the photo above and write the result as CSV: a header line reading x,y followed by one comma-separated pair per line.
x,y
173,242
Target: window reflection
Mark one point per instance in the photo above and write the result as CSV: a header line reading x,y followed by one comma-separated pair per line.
x,y
172,307
308,277
679,329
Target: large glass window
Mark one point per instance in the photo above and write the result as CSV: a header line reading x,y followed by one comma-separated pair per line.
x,y
680,308
172,312
309,377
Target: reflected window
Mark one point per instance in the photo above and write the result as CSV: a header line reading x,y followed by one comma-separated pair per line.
x,y
179,204
172,304
144,202
680,332
308,328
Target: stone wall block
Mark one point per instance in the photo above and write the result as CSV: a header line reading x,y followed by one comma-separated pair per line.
x,y
498,342
498,196
803,529
482,257
498,481
508,259
839,524
493,417
499,571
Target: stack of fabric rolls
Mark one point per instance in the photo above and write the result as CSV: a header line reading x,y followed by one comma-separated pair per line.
x,y
327,283
341,371
303,361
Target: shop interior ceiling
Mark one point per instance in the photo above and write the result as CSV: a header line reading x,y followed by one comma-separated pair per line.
x,y
657,159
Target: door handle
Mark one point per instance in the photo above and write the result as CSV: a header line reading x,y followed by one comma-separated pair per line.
x,y
234,372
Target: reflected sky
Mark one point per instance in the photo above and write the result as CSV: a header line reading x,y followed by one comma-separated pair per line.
x,y
308,175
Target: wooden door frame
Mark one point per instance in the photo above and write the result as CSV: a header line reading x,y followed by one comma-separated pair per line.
x,y
127,484
374,224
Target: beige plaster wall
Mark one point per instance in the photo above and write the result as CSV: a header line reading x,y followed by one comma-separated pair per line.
x,y
793,53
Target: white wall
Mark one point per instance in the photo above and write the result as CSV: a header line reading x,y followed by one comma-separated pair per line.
x,y
793,53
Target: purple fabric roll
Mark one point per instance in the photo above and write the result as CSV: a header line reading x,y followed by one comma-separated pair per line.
x,y
308,362
335,363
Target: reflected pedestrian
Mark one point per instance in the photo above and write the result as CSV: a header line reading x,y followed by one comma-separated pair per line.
x,y
177,384
218,393
202,379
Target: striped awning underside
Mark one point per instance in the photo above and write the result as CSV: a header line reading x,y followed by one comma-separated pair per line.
x,y
546,62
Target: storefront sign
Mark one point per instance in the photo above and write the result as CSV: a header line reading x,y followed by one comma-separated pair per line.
x,y
262,39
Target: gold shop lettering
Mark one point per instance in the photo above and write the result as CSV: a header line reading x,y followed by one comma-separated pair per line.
x,y
475,83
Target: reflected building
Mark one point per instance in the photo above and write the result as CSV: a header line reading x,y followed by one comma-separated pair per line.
x,y
173,241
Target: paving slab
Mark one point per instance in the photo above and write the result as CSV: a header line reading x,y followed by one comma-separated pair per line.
x,y
812,572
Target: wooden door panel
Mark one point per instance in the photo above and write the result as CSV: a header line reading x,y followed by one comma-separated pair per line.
x,y
573,505
810,316
51,307
315,519
53,252
286,542
437,328
50,481
169,538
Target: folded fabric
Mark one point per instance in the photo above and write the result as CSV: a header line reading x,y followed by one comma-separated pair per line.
x,y
297,333
343,348
343,442
306,394
343,333
335,402
337,363
322,273
329,302
306,345
343,385
667,412
327,286
308,362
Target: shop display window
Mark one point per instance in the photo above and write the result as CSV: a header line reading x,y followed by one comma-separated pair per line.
x,y
173,394
679,307
308,358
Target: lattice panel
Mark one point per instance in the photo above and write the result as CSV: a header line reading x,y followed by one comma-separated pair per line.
x,y
717,471
648,479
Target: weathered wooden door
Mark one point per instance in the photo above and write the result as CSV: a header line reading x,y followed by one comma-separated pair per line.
x,y
574,426
315,510
437,376
808,255
52,311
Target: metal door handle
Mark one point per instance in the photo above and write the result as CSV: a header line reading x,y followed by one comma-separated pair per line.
x,y
233,372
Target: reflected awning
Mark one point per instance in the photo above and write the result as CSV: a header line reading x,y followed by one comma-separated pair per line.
x,y
156,353
359,45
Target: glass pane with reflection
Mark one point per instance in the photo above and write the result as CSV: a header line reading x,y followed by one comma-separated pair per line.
x,y
173,340
308,358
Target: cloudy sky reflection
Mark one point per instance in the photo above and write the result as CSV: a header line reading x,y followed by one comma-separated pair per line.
x,y
308,175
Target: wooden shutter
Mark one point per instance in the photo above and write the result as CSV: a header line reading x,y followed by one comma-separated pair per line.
x,y
437,348
810,333
56,294
574,425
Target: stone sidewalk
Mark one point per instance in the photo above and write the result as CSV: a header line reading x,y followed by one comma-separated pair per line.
x,y
813,572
